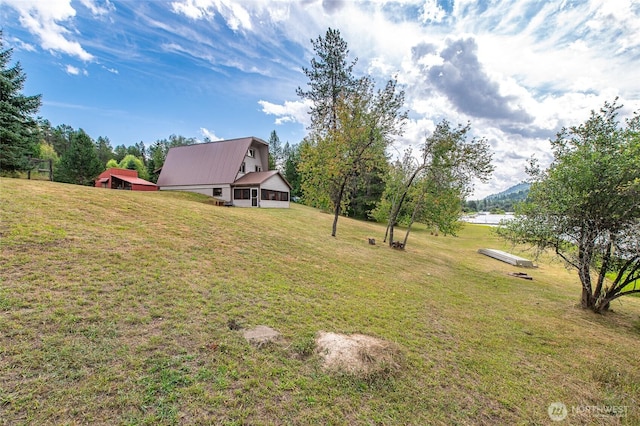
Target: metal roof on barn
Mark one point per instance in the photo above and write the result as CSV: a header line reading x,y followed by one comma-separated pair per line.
x,y
133,180
205,163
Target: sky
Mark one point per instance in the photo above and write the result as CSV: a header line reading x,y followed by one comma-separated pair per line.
x,y
141,70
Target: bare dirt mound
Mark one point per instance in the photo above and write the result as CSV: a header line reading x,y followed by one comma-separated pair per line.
x,y
261,335
357,354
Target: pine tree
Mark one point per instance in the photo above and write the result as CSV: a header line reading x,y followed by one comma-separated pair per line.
x,y
275,152
330,77
18,129
80,164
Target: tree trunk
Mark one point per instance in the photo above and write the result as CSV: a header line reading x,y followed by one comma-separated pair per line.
x,y
587,300
406,235
585,251
416,209
396,211
334,228
603,269
338,202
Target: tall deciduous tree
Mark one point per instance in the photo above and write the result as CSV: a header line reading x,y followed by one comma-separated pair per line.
x,y
330,76
332,163
586,206
131,162
18,129
79,164
435,185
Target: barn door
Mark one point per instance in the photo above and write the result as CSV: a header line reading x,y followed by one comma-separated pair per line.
x,y
254,197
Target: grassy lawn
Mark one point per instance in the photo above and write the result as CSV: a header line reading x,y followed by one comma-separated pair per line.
x,y
115,309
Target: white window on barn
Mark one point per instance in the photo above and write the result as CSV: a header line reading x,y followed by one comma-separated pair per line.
x,y
217,192
251,153
242,167
258,169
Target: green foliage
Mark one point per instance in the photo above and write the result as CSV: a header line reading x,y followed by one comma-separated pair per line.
x,y
104,149
275,152
433,187
132,162
47,152
291,157
59,137
112,164
334,162
18,129
79,164
586,205
330,77
368,191
304,345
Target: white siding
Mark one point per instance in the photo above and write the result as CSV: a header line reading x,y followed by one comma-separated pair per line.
x,y
250,163
242,203
275,183
274,204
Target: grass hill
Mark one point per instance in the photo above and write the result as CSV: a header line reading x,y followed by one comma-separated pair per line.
x,y
116,306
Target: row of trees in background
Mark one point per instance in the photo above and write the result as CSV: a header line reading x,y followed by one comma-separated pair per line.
x,y
78,158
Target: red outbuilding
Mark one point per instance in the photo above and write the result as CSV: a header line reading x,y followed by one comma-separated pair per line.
x,y
124,179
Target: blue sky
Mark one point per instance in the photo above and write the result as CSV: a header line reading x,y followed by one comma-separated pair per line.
x,y
142,70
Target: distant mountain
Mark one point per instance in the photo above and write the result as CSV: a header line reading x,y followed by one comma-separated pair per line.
x,y
504,201
522,187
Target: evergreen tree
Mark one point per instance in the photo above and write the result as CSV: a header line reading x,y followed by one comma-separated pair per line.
x,y
104,150
18,129
291,156
80,164
61,138
330,77
275,152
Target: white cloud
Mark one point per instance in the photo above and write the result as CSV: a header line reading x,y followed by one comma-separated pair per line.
x,y
194,9
111,70
290,111
43,18
432,12
98,9
210,135
234,13
72,70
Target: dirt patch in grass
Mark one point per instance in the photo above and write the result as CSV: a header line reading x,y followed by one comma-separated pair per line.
x,y
358,354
